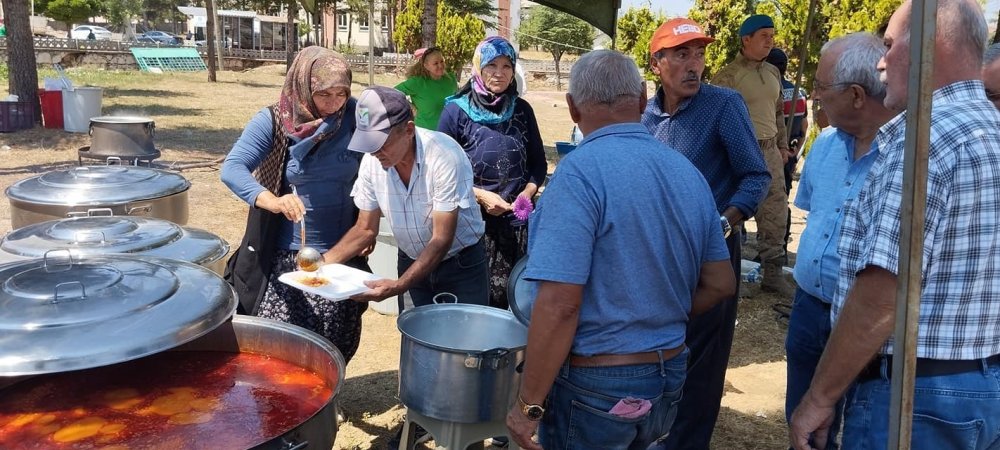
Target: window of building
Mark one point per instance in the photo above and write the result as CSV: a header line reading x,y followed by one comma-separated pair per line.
x,y
342,21
384,19
363,22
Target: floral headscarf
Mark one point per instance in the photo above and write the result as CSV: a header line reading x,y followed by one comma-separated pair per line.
x,y
314,69
475,98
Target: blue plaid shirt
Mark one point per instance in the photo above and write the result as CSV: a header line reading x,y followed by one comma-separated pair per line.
x,y
713,130
960,271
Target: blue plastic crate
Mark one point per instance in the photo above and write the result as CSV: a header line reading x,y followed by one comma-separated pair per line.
x,y
16,116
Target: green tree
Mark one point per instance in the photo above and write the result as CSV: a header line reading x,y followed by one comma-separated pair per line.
x,y
458,36
406,35
557,33
721,20
635,30
121,12
73,11
847,16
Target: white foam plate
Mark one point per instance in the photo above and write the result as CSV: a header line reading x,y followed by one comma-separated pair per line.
x,y
342,281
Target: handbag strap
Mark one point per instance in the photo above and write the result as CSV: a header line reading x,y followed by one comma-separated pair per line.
x,y
271,171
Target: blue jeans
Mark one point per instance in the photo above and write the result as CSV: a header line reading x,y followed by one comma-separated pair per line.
x,y
578,403
808,330
960,411
466,275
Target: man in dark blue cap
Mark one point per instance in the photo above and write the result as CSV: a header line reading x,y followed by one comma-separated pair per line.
x,y
760,85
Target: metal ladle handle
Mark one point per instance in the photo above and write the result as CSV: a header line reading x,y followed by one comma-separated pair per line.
x,y
302,222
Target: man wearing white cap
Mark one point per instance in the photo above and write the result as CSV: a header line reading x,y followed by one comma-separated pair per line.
x,y
421,181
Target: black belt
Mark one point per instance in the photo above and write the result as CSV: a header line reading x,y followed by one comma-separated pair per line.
x,y
926,367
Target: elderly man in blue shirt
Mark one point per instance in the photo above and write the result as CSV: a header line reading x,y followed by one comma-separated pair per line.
x,y
626,245
848,85
710,126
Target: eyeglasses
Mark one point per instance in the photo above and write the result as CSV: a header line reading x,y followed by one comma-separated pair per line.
x,y
992,95
820,86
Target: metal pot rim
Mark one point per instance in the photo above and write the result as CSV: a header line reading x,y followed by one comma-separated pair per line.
x,y
418,313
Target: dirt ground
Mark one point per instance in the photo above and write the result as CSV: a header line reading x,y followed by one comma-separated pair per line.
x,y
198,121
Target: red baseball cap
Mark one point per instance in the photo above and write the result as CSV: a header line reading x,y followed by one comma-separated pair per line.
x,y
675,32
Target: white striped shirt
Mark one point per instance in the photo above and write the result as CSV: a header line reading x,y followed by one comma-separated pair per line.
x,y
441,181
960,273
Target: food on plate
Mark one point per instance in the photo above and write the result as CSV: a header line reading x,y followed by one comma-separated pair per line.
x,y
314,281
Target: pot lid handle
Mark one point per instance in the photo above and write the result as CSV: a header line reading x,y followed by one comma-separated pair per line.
x,y
493,359
454,298
88,237
55,266
76,171
92,212
55,294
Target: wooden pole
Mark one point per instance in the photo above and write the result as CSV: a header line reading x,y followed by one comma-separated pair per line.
x,y
911,234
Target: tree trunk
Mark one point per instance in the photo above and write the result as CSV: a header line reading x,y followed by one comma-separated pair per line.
x,y
996,34
210,39
291,35
336,17
318,25
428,23
556,56
23,80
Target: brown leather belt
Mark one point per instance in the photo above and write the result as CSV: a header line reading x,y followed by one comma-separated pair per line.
x,y
624,360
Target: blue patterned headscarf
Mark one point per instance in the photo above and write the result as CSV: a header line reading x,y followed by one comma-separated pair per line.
x,y
474,98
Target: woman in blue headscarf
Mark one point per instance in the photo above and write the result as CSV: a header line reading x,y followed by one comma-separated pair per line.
x,y
500,135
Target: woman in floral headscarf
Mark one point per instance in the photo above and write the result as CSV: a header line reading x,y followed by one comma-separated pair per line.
x,y
499,133
301,141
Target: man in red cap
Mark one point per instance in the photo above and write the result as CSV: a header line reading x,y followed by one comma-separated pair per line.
x,y
760,85
711,127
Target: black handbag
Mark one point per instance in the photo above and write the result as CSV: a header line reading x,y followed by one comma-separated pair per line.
x,y
249,268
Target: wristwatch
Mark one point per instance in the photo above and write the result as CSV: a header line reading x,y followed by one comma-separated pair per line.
x,y
532,412
727,229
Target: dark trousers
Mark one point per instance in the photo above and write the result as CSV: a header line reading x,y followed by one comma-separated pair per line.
x,y
710,338
466,275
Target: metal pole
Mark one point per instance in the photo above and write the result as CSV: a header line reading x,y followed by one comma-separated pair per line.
x,y
371,42
911,234
803,56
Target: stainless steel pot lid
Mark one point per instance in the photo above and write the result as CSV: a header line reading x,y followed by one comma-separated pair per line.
x,y
61,313
98,185
120,119
114,234
520,292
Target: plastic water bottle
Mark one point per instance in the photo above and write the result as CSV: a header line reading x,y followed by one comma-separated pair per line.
x,y
750,272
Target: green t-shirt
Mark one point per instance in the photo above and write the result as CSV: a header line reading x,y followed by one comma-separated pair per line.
x,y
428,96
3,30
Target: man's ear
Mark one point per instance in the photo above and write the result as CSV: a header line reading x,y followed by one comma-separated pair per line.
x,y
643,98
654,65
858,96
574,112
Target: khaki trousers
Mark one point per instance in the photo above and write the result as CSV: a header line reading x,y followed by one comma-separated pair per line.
x,y
773,211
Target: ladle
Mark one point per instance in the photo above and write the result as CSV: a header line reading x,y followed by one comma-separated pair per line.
x,y
308,259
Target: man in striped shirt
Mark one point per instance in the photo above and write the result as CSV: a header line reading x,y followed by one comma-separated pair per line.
x,y
956,403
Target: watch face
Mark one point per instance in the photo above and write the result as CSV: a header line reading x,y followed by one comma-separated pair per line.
x,y
534,412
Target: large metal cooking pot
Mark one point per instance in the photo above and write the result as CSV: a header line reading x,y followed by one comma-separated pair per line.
x,y
121,190
124,137
59,314
293,344
116,234
459,362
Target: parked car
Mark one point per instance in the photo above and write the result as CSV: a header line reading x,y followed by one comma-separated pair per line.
x,y
158,37
83,32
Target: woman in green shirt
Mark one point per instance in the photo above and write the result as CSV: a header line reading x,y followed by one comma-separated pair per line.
x,y
428,84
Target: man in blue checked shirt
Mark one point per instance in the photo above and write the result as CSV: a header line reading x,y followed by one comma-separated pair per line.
x,y
848,85
956,402
711,127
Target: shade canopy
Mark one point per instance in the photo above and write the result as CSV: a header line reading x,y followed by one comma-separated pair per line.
x,y
602,14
